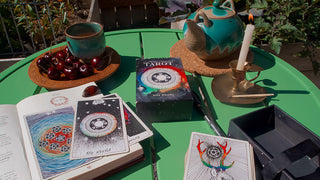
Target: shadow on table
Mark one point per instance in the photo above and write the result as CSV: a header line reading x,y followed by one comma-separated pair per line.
x,y
161,144
263,59
276,92
269,82
127,66
270,90
123,173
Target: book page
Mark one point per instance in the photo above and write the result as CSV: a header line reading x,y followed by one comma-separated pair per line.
x,y
13,163
46,123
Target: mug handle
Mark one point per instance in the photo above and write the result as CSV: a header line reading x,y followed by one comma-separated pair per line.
x,y
69,45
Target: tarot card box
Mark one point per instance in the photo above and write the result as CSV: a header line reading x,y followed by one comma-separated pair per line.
x,y
162,90
284,148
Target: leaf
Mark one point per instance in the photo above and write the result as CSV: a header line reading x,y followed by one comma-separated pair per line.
x,y
175,5
16,9
29,8
61,6
21,18
282,17
64,17
276,44
179,12
20,24
260,23
288,27
260,4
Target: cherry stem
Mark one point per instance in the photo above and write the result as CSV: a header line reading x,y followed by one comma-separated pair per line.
x,y
44,69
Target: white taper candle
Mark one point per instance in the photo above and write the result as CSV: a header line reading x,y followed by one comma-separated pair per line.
x,y
245,46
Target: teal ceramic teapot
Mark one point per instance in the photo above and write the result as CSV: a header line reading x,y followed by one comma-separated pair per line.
x,y
214,32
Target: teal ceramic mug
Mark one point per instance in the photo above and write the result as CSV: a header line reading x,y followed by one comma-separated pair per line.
x,y
86,40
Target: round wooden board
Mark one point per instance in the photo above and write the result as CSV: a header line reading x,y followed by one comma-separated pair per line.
x,y
192,63
42,80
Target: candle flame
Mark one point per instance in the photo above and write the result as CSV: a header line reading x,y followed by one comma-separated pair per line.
x,y
250,18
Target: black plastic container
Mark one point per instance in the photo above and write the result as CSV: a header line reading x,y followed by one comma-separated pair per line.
x,y
283,147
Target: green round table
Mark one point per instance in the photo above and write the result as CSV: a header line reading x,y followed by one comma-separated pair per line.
x,y
294,93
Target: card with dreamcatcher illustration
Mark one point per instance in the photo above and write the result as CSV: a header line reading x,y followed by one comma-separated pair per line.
x,y
215,157
99,129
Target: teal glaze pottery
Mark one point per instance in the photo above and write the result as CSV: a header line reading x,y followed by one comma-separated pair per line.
x,y
214,32
86,40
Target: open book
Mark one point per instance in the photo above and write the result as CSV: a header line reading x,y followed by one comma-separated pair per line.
x,y
215,157
36,134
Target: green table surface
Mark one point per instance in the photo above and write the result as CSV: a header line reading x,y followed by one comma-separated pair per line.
x,y
294,93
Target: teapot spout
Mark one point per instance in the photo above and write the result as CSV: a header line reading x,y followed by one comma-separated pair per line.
x,y
195,39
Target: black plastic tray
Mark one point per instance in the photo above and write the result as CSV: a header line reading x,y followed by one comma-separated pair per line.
x,y
284,148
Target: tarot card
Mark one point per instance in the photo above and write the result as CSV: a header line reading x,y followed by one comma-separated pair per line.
x,y
99,129
51,133
136,129
214,157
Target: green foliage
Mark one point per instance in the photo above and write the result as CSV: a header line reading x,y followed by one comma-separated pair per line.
x,y
289,21
29,24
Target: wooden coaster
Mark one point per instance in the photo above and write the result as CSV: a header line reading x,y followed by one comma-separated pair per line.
x,y
42,80
192,63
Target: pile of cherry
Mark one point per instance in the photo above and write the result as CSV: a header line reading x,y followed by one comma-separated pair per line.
x,y
62,65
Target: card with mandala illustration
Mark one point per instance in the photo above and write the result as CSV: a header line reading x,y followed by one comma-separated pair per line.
x,y
215,157
51,134
99,129
137,130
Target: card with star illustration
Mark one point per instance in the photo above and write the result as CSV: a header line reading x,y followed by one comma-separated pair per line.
x,y
137,130
99,129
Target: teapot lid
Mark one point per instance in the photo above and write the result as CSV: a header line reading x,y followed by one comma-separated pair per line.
x,y
217,11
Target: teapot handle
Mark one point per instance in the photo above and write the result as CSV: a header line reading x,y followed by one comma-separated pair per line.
x,y
206,20
231,3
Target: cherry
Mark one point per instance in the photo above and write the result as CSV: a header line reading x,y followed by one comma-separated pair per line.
x,y
77,64
86,70
71,72
47,56
40,62
70,60
43,64
61,55
53,73
54,61
91,91
60,65
98,63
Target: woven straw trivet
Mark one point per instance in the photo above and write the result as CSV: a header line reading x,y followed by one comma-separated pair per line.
x,y
192,63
